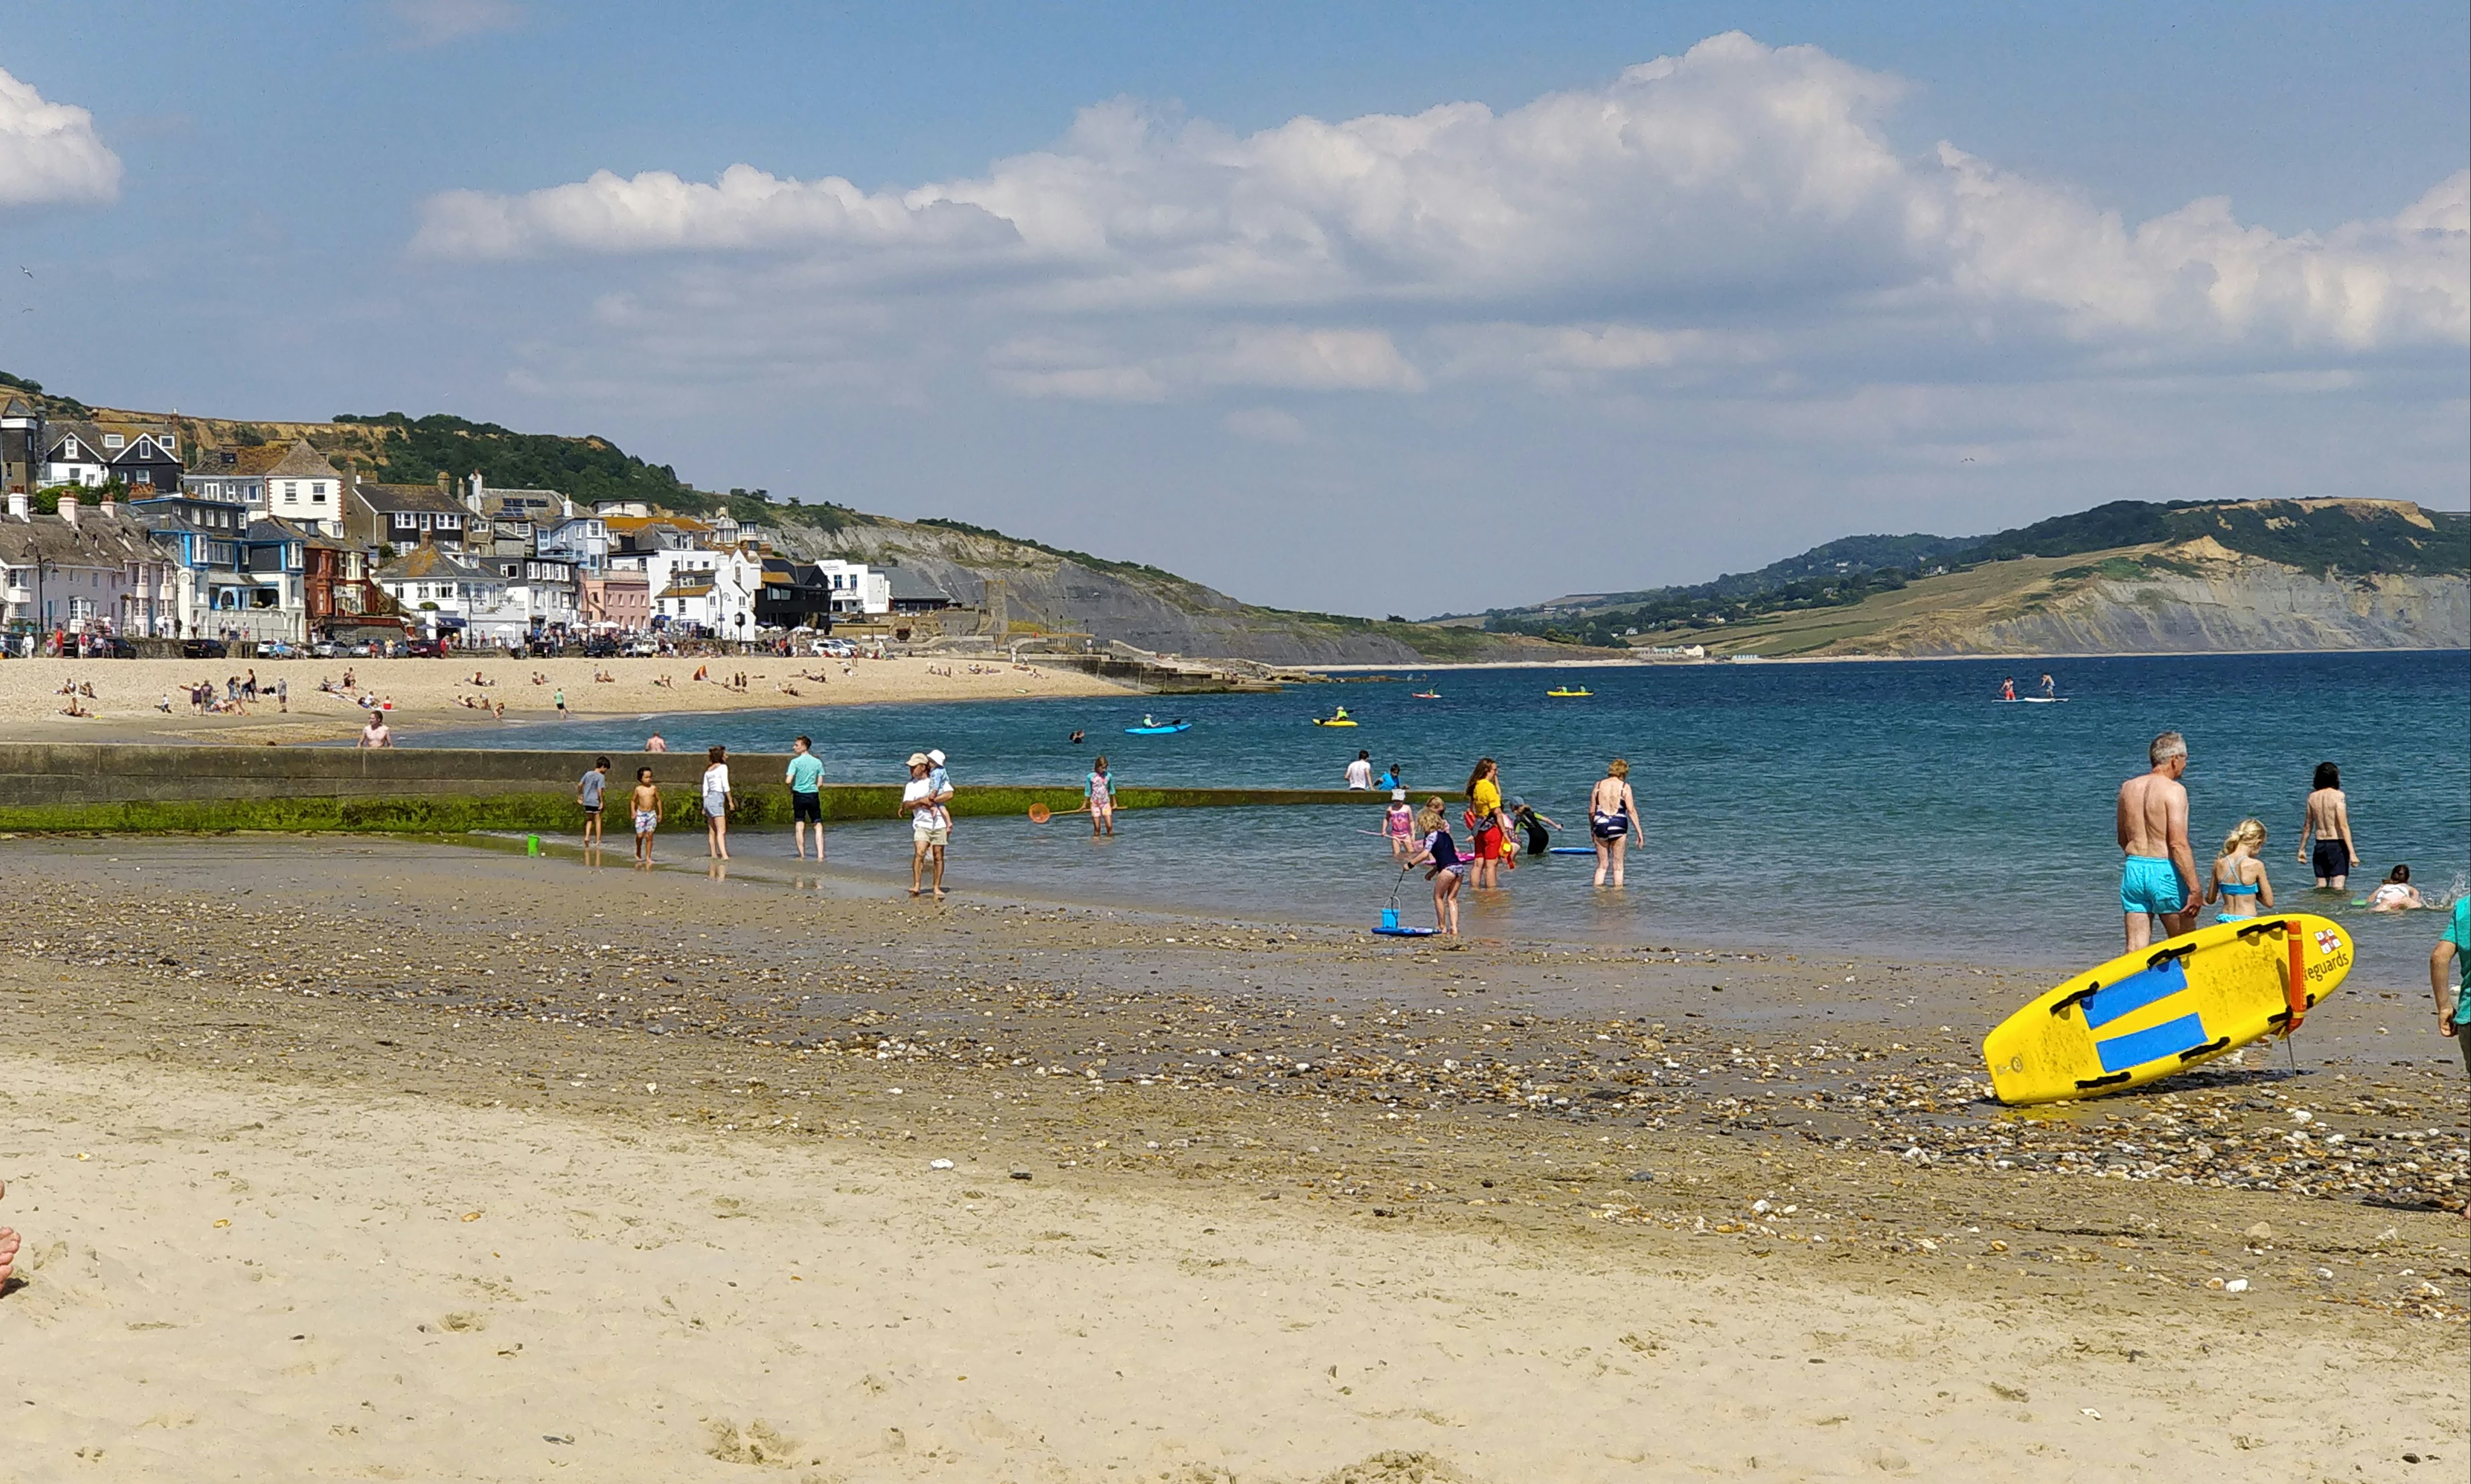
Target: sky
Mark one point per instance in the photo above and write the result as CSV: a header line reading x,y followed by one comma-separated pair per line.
x,y
1375,308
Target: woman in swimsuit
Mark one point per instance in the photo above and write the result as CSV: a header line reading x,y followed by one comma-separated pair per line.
x,y
2238,881
2395,893
1448,870
1612,816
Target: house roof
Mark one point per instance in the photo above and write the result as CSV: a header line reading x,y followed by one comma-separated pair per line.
x,y
274,528
96,540
301,461
428,563
688,585
408,497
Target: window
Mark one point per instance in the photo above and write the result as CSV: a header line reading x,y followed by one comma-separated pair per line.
x,y
113,441
291,493
318,492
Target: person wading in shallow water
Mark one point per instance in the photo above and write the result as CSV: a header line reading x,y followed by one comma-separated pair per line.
x,y
2328,821
2160,878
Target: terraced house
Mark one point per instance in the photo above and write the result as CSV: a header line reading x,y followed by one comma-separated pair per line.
x,y
82,571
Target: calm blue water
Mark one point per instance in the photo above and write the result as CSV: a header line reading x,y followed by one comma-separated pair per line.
x,y
1871,805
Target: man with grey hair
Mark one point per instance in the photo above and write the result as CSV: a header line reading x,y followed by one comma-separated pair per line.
x,y
2159,879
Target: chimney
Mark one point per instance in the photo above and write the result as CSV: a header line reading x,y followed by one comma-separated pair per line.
x,y
444,482
69,509
106,504
476,493
20,507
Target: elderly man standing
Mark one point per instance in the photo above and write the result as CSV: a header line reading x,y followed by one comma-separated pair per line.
x,y
2160,878
930,825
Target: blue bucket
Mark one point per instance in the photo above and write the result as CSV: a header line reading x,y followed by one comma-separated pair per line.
x,y
1389,917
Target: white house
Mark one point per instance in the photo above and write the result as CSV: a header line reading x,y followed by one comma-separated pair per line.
x,y
302,486
447,592
856,587
730,581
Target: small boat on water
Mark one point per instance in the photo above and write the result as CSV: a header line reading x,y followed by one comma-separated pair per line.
x,y
1563,689
1149,728
1425,696
1333,722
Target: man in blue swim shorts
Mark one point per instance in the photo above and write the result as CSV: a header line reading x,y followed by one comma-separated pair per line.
x,y
2159,879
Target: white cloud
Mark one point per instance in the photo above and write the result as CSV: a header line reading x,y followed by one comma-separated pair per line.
x,y
1734,211
426,23
1265,424
49,153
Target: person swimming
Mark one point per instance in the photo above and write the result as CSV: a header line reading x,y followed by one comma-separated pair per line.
x,y
2395,893
2238,881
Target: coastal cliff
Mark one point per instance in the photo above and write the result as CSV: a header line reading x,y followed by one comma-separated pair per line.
x,y
2238,604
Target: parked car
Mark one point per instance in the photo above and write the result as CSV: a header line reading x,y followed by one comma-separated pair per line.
x,y
426,649
643,649
601,648
113,647
203,648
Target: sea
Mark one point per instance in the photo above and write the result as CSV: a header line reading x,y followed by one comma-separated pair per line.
x,y
1890,807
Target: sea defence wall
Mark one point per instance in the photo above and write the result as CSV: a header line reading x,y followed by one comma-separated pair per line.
x,y
137,788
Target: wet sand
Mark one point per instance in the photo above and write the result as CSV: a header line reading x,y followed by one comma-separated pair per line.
x,y
428,694
553,1169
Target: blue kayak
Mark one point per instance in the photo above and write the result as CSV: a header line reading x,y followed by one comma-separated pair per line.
x,y
1158,731
1408,932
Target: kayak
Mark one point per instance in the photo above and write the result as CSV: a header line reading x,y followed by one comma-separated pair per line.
x,y
1407,933
1425,696
1318,721
1158,731
1558,692
1573,850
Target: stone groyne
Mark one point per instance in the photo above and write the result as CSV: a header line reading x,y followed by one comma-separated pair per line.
x,y
146,789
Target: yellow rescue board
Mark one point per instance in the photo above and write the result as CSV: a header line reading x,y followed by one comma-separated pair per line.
x,y
2178,1004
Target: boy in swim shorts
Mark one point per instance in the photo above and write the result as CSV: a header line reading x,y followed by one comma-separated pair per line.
x,y
646,805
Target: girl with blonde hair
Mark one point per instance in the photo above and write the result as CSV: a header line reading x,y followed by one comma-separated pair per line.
x,y
2238,881
1449,868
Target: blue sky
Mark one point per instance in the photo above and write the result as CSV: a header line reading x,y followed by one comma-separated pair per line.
x,y
1165,283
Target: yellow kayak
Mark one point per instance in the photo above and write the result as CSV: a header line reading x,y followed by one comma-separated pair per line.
x,y
1561,691
1318,721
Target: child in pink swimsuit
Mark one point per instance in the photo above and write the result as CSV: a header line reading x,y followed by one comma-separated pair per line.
x,y
1400,825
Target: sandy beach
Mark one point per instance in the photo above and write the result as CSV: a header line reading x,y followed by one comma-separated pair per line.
x,y
429,694
382,1159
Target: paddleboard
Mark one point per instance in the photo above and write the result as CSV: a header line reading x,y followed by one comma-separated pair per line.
x,y
1407,933
2174,1005
2042,700
1574,850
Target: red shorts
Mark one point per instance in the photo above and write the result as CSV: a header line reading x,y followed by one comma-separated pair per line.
x,y
1488,845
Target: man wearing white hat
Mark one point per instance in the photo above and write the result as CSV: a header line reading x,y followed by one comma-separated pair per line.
x,y
930,825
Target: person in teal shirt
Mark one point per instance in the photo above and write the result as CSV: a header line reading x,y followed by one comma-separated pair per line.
x,y
806,781
2449,980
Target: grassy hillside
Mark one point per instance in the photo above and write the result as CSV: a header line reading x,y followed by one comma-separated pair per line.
x,y
1105,597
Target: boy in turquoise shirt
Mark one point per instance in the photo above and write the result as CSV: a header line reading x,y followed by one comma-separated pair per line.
x,y
806,781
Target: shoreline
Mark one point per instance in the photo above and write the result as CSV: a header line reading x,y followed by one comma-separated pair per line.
x,y
1870,659
873,1189
426,692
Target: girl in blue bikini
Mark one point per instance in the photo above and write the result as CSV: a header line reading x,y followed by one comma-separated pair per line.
x,y
2238,881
